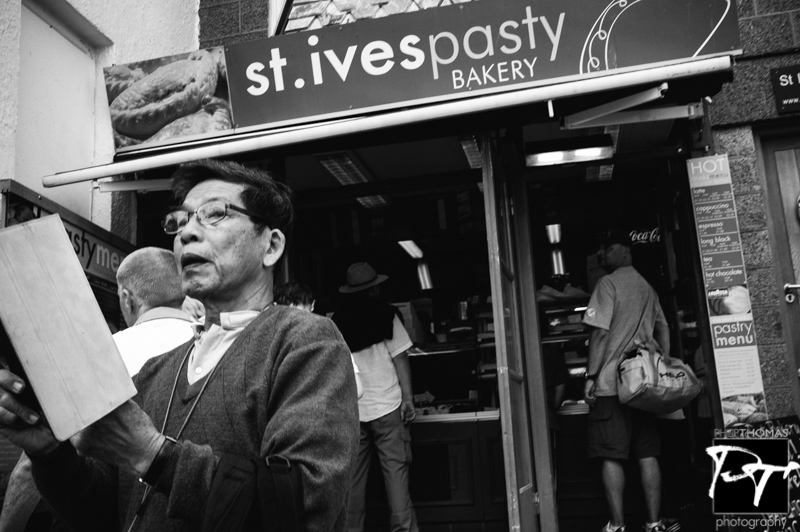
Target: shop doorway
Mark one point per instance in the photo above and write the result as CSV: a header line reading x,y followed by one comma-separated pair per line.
x,y
564,209
781,158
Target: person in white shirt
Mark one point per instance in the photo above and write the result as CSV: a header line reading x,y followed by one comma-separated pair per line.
x,y
378,341
151,300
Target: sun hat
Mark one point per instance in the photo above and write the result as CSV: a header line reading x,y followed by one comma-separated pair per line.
x,y
361,276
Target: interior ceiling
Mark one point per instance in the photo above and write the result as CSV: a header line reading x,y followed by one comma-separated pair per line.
x,y
437,148
445,155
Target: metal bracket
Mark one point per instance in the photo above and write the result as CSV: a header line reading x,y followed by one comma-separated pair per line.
x,y
583,118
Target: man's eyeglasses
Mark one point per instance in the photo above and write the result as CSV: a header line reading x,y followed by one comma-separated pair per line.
x,y
210,213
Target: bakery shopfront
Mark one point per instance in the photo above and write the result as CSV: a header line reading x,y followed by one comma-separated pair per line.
x,y
498,137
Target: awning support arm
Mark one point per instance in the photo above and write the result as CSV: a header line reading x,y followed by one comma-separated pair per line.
x,y
575,120
675,112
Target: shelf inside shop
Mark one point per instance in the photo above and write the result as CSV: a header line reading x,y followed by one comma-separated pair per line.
x,y
564,338
441,349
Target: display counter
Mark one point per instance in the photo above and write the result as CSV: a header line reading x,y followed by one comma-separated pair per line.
x,y
458,418
457,474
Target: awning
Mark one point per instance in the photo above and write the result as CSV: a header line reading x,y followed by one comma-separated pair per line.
x,y
296,135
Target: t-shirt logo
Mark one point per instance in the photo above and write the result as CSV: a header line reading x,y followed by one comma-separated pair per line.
x,y
591,312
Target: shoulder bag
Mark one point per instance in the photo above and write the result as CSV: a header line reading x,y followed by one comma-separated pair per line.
x,y
647,381
255,494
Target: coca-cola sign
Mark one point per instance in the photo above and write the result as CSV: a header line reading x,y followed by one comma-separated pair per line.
x,y
650,236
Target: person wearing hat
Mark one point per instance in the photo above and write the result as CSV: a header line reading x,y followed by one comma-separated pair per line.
x,y
623,311
378,341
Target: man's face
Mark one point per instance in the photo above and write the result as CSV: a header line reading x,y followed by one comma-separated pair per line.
x,y
223,264
611,256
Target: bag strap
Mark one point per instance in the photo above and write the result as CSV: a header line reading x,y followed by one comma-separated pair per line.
x,y
626,344
288,491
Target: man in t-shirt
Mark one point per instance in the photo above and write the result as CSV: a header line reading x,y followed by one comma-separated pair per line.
x,y
379,342
623,311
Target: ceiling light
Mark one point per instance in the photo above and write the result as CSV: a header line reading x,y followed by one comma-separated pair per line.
x,y
424,274
411,248
371,202
589,152
473,152
553,233
557,261
569,150
552,157
344,169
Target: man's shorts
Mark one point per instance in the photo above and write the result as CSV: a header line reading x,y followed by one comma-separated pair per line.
x,y
619,432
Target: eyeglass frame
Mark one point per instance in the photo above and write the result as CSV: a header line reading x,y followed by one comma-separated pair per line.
x,y
231,206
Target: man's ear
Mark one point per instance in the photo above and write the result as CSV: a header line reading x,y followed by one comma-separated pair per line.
x,y
126,300
128,306
276,245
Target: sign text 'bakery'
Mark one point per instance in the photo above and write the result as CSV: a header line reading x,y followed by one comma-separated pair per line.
x,y
464,50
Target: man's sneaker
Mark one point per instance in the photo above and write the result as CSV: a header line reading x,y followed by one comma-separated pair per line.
x,y
656,527
671,525
611,528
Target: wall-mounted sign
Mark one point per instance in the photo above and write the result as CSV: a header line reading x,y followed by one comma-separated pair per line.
x,y
460,51
99,257
786,88
727,295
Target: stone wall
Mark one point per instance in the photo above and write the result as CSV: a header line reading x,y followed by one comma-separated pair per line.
x,y
230,21
770,31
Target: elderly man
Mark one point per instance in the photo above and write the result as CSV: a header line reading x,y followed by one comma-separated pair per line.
x,y
261,380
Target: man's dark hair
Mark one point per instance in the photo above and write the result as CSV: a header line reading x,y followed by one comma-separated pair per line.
x,y
293,293
262,194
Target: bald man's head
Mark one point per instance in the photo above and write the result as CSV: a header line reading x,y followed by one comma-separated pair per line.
x,y
146,279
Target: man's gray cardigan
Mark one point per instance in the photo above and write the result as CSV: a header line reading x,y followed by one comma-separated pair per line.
x,y
285,387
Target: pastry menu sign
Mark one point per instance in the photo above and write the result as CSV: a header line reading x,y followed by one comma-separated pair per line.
x,y
447,53
727,295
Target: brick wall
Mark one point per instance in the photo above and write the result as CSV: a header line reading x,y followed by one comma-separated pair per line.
x,y
770,31
231,21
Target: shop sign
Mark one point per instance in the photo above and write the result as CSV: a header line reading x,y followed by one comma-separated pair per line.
x,y
97,257
727,295
786,88
460,51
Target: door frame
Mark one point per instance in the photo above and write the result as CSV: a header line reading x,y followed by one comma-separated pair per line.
x,y
544,461
522,500
777,227
516,202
